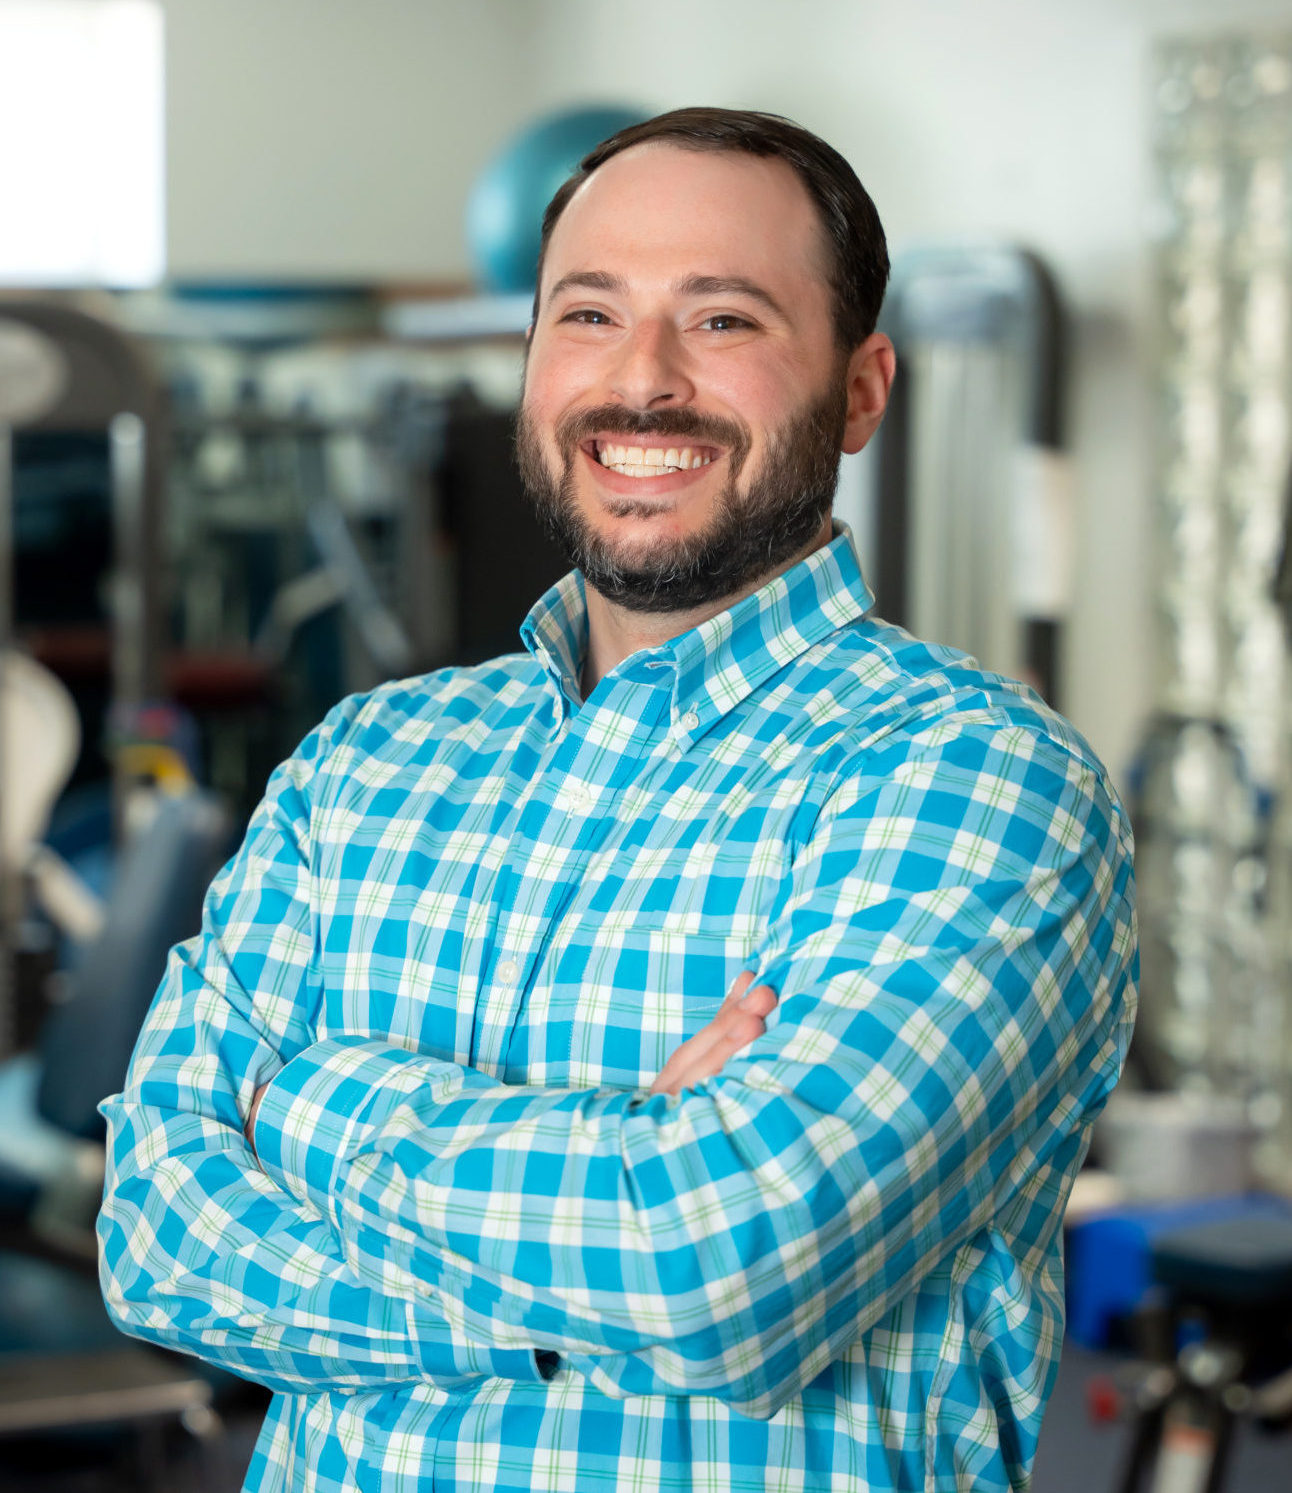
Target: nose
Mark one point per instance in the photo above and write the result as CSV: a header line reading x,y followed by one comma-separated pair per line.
x,y
651,367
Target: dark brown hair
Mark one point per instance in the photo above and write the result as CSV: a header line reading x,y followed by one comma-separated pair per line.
x,y
855,237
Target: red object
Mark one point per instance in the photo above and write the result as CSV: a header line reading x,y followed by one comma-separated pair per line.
x,y
218,680
201,680
1103,1400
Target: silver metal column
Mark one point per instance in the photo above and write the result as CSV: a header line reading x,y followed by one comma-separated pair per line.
x,y
8,892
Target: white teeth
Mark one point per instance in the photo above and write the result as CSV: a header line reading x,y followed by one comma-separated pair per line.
x,y
650,461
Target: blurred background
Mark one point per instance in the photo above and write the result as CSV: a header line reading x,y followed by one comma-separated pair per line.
x,y
265,269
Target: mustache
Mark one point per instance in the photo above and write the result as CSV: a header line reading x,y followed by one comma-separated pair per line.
x,y
686,424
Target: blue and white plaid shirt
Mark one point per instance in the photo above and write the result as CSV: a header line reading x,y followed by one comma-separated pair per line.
x,y
471,920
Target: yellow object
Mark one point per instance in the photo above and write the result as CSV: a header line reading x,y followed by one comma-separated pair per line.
x,y
162,764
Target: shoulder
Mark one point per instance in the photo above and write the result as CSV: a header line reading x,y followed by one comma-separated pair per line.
x,y
403,717
890,687
906,712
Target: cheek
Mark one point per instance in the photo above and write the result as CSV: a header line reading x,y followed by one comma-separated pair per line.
x,y
556,378
765,383
760,399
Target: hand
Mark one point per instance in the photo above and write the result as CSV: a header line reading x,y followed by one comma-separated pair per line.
x,y
739,1021
249,1130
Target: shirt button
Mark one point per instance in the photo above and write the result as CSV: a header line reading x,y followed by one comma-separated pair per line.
x,y
690,720
509,971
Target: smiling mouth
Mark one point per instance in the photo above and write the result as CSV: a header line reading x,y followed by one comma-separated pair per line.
x,y
649,461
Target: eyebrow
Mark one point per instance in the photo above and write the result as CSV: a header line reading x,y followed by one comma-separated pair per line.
x,y
692,285
706,285
588,280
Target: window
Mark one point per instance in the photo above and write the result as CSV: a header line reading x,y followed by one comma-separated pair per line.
x,y
81,143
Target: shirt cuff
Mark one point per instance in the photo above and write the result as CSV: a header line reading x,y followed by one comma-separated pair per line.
x,y
478,1360
313,1113
316,1109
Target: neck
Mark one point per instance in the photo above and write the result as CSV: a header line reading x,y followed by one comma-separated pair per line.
x,y
616,632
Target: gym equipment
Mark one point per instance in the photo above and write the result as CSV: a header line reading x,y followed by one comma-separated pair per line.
x,y
63,1364
65,376
1199,828
1224,1334
973,541
49,1095
342,578
1110,1256
504,560
63,1397
50,1129
505,209
1276,1151
41,737
68,378
1220,120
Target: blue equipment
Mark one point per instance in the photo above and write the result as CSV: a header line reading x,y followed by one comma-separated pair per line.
x,y
505,209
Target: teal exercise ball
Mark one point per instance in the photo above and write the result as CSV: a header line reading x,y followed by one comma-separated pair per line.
x,y
505,208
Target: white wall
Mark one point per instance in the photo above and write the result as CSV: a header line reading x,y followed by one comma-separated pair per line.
x,y
339,137
335,138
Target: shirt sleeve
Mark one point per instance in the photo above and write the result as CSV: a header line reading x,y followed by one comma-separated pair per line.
x,y
954,959
199,1249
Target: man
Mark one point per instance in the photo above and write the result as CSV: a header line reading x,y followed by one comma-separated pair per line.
x,y
666,1051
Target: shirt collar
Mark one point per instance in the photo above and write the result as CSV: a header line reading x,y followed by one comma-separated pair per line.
x,y
722,661
556,634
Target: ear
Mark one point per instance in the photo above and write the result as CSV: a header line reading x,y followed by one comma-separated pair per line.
x,y
869,378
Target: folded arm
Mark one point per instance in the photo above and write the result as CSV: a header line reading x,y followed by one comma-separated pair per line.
x,y
199,1249
953,961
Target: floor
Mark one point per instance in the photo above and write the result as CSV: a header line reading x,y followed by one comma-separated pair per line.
x,y
1079,1455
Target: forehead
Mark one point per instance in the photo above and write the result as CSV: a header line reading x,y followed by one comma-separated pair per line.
x,y
659,211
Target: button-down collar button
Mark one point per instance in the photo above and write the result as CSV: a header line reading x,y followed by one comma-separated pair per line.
x,y
509,972
689,721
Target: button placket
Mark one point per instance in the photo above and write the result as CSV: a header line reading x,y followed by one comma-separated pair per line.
x,y
500,995
588,774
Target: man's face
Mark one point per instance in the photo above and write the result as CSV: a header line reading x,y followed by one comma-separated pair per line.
x,y
685,401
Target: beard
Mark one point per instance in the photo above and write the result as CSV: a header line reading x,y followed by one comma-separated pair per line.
x,y
752,532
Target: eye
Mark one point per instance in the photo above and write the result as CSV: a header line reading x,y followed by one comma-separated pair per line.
x,y
725,321
587,316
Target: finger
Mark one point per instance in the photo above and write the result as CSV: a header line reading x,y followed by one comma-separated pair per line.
x,y
691,1063
665,1084
739,985
730,1010
688,1064
688,1061
761,1000
728,1032
670,1075
738,1034
715,1059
